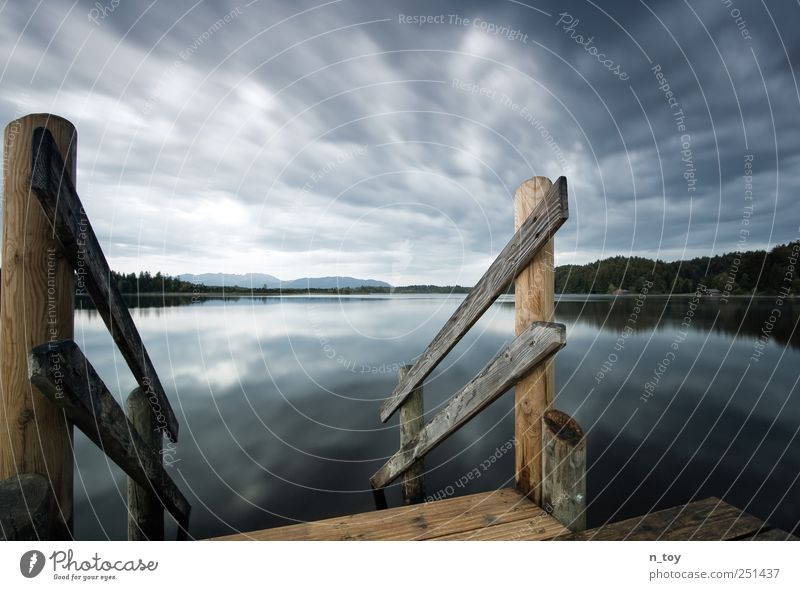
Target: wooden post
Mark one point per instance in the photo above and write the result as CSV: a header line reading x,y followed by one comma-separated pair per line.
x,y
24,506
145,512
564,470
533,301
36,307
411,423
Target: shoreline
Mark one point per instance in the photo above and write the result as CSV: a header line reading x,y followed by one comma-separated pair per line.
x,y
250,294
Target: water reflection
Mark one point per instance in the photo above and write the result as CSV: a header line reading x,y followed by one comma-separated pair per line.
x,y
278,401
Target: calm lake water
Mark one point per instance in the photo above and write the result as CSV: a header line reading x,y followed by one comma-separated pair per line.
x,y
278,402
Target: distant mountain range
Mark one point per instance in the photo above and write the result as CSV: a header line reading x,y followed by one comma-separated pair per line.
x,y
258,280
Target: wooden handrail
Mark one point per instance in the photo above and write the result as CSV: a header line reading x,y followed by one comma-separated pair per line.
x,y
53,186
64,375
540,226
530,348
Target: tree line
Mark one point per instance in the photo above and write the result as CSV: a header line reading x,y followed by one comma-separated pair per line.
x,y
736,273
145,282
756,272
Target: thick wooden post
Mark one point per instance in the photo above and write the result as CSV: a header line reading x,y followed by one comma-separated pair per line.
x,y
145,511
564,470
533,301
36,307
24,506
411,423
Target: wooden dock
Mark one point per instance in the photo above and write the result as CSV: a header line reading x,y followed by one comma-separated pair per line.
x,y
507,515
45,377
498,515
709,519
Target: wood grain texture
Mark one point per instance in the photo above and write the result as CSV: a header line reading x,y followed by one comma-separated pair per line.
x,y
533,301
65,376
145,512
533,235
772,535
36,306
564,470
542,527
705,520
24,508
416,522
411,423
530,348
62,206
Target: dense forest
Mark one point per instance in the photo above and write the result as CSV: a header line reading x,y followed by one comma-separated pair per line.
x,y
735,273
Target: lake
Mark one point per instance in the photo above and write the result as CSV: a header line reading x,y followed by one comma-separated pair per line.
x,y
278,403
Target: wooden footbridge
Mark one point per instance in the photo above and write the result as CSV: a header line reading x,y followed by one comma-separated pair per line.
x,y
49,386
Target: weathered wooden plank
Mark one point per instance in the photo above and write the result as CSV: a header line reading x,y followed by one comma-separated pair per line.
x,y
36,305
534,290
145,512
537,343
772,535
710,519
66,377
62,207
564,470
411,423
540,226
24,507
419,522
542,527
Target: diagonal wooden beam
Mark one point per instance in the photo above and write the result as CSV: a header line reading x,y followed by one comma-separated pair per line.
x,y
540,226
530,348
62,207
61,372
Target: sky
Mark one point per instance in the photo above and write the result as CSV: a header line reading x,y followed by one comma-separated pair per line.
x,y
385,139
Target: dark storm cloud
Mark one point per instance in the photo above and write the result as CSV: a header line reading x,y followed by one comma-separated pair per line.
x,y
332,138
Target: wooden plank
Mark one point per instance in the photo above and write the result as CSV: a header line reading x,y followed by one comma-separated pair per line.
x,y
66,377
24,507
79,244
772,535
36,305
407,523
537,343
145,512
564,470
705,520
542,527
539,227
533,302
411,423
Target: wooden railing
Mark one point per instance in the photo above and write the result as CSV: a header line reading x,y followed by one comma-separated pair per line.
x,y
58,370
61,372
62,206
529,349
529,251
540,226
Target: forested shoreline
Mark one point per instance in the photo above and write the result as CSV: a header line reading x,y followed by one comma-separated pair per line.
x,y
754,272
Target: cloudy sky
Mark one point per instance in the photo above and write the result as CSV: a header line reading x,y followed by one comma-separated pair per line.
x,y
346,137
